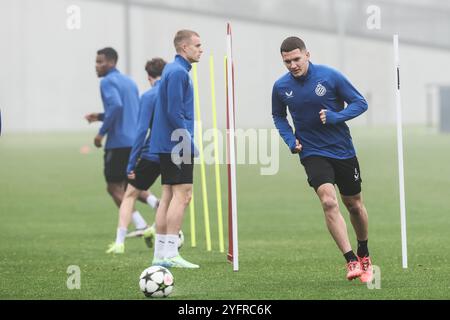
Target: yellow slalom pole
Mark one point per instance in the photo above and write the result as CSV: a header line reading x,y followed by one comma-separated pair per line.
x,y
192,220
202,160
216,155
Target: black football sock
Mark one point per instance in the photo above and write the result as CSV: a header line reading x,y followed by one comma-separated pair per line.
x,y
363,251
350,256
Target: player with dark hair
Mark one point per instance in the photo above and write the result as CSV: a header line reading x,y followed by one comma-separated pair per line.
x,y
315,97
120,98
143,166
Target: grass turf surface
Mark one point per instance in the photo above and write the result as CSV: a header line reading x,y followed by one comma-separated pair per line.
x,y
55,212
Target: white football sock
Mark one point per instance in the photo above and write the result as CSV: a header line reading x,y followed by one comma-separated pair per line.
x,y
171,245
160,244
152,201
138,221
120,235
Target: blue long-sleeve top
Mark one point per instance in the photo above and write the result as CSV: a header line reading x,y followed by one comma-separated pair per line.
x,y
120,97
174,109
141,146
320,88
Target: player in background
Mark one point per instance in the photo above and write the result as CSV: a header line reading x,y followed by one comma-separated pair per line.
x,y
120,99
143,166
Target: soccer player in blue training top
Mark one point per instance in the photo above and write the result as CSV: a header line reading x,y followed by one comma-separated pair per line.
x,y
315,96
120,98
143,166
174,121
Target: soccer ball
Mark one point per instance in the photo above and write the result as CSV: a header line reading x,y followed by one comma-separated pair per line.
x,y
180,239
156,281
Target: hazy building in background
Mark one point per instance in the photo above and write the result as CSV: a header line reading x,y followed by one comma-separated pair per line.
x,y
48,49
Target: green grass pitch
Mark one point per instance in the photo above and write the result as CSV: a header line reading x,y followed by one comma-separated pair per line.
x,y
55,212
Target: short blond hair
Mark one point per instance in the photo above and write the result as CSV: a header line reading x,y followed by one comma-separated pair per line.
x,y
183,36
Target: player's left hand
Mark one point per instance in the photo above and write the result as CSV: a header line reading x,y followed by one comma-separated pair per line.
x,y
98,141
131,175
91,117
323,115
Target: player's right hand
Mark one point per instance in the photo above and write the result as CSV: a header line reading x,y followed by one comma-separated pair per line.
x,y
131,175
323,115
298,147
98,140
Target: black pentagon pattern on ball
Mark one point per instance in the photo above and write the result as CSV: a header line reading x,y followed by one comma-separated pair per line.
x,y
147,277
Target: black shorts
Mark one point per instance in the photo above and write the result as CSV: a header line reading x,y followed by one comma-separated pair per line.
x,y
344,173
146,173
116,161
175,174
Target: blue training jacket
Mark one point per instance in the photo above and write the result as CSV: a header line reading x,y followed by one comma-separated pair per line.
x,y
320,88
141,147
120,97
174,108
